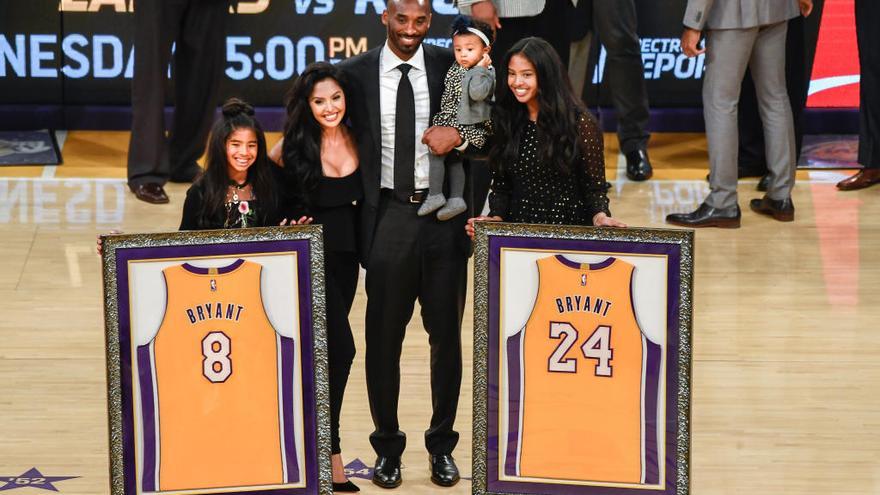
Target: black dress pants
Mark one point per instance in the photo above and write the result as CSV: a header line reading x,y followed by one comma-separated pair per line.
x,y
414,258
615,22
340,279
197,27
546,25
868,33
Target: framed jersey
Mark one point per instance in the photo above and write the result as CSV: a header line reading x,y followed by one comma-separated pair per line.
x,y
582,360
217,362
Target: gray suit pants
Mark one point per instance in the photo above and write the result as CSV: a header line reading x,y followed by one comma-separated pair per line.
x,y
728,53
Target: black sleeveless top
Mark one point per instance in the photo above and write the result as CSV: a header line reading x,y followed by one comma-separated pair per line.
x,y
334,204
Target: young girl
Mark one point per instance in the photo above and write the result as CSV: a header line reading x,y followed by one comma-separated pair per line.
x,y
464,105
240,187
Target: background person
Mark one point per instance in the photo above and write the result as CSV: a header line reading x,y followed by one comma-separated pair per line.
x,y
867,20
197,30
740,34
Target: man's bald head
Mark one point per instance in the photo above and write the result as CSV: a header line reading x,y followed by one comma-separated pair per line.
x,y
424,4
406,23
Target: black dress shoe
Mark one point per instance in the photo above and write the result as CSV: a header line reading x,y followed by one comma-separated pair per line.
x,y
150,192
188,173
780,209
348,486
638,166
707,216
444,472
764,183
387,472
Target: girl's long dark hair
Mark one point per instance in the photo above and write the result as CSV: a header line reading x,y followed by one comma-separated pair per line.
x,y
301,151
237,114
558,110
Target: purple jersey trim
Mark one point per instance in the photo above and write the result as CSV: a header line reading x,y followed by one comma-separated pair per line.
x,y
496,243
220,270
145,372
652,389
287,356
593,266
514,376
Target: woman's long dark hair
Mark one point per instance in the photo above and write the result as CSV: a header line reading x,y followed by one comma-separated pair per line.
x,y
301,152
237,114
558,110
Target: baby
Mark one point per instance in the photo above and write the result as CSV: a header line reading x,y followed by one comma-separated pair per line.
x,y
464,105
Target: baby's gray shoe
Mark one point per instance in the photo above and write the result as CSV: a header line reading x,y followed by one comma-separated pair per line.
x,y
432,203
453,207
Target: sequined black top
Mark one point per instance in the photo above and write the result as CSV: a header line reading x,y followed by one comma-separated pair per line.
x,y
528,191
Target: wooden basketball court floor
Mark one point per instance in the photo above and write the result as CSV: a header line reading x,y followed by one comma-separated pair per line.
x,y
786,390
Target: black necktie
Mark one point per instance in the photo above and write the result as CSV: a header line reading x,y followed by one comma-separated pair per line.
x,y
404,137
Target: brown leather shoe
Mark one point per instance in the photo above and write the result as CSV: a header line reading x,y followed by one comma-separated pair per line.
x,y
866,177
780,209
150,192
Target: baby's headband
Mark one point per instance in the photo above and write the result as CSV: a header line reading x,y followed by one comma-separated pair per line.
x,y
477,32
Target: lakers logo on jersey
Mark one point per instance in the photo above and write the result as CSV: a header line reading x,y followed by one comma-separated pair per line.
x,y
210,386
583,380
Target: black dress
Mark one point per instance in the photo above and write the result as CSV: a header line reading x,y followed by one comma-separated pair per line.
x,y
234,214
334,205
529,191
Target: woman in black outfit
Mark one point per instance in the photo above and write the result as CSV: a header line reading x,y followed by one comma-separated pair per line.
x,y
547,157
320,160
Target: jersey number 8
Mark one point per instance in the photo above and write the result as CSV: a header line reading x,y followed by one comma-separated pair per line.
x,y
216,365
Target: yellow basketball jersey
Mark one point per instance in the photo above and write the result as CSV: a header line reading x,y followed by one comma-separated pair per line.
x,y
215,359
578,369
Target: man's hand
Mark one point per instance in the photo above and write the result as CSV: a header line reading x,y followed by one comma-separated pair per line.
x,y
485,11
441,140
806,7
690,41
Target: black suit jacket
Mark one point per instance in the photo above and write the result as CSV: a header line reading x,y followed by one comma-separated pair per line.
x,y
362,102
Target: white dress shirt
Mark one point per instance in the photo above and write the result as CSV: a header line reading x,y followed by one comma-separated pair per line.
x,y
389,78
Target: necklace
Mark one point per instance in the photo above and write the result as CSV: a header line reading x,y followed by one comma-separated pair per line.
x,y
236,187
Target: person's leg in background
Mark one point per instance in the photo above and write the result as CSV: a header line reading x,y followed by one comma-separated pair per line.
x,y
867,20
616,23
156,26
775,109
721,88
198,71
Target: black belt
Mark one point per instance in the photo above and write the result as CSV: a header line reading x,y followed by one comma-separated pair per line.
x,y
417,197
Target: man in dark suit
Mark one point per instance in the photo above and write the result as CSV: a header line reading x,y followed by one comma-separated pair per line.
x,y
395,89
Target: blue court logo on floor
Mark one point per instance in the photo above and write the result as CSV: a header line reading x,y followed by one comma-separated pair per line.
x,y
357,469
32,478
